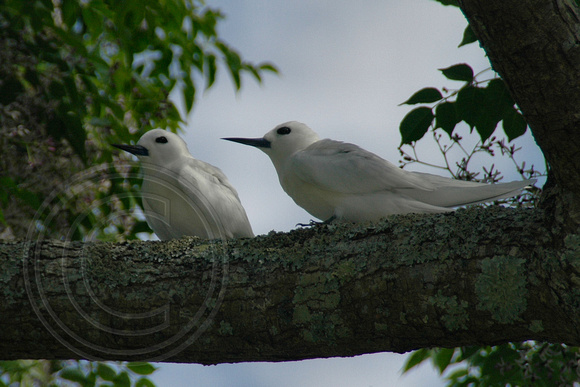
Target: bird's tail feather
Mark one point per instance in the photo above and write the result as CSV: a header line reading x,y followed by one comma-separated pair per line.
x,y
458,194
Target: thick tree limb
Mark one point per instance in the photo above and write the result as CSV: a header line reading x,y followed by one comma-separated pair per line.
x,y
477,276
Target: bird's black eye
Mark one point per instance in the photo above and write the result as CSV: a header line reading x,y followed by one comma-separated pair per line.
x,y
283,130
161,140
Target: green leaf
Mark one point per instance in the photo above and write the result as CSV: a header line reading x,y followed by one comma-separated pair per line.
x,y
415,124
442,358
73,94
269,67
254,72
122,380
106,372
233,61
471,109
188,94
469,104
74,375
75,133
14,366
75,41
211,69
458,72
489,106
468,36
499,93
141,368
460,373
426,95
446,117
144,382
467,352
91,380
115,107
514,124
494,375
70,12
7,186
415,358
29,197
92,19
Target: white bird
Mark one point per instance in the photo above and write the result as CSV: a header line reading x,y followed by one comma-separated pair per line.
x,y
336,180
183,196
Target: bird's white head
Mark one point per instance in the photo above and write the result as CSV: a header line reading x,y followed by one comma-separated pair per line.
x,y
158,147
283,141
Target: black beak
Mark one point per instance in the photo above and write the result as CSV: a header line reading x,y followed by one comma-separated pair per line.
x,y
137,150
257,142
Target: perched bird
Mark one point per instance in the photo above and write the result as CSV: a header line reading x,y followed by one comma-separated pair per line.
x,y
336,180
183,196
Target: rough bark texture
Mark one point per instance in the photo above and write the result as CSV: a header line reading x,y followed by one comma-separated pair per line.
x,y
477,276
535,46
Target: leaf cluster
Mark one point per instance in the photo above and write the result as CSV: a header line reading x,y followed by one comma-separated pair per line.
x,y
112,64
75,373
515,364
480,104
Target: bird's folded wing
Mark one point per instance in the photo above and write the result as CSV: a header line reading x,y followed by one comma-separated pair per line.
x,y
216,195
342,167
197,169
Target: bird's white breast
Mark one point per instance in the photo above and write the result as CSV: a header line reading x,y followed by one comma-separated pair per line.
x,y
317,202
172,212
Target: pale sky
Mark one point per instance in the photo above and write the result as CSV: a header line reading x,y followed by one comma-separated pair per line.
x,y
345,67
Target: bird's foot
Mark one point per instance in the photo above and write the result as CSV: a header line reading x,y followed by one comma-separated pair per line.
x,y
314,223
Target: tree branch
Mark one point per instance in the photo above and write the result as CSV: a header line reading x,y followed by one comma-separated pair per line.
x,y
476,276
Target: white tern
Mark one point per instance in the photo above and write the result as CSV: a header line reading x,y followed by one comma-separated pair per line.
x,y
337,180
183,196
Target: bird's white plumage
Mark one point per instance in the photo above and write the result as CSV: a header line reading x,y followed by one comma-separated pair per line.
x,y
335,179
342,167
183,196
